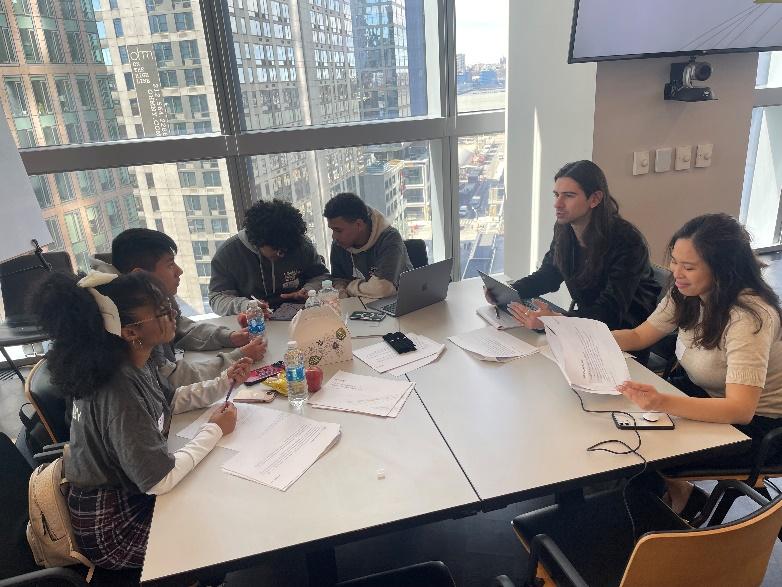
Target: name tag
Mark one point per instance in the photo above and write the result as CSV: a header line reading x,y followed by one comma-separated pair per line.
x,y
680,348
160,422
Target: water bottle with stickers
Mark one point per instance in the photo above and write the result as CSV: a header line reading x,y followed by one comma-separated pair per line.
x,y
294,374
312,299
256,325
329,297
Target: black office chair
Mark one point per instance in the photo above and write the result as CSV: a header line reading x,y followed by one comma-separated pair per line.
x,y
430,574
591,542
19,278
17,565
416,250
662,358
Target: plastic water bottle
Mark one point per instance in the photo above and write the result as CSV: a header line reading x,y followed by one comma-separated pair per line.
x,y
256,325
329,297
294,375
312,299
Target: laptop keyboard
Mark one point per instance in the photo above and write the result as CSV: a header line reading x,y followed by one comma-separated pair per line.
x,y
390,308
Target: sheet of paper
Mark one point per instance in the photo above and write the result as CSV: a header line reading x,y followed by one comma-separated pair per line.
x,y
288,449
359,393
399,371
252,422
493,344
381,357
504,322
587,353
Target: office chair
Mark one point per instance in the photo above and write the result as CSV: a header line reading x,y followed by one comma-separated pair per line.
x,y
591,542
49,423
17,565
430,574
662,359
105,257
416,250
19,278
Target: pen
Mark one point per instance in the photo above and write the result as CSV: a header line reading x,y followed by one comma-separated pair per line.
x,y
228,395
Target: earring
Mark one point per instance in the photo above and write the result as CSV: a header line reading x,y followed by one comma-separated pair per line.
x,y
137,342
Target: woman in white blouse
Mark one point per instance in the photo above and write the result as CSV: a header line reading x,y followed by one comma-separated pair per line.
x,y
728,344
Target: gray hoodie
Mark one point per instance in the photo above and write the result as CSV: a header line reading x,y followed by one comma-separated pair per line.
x,y
373,269
190,336
240,271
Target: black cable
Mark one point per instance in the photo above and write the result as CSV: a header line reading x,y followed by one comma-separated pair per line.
x,y
598,446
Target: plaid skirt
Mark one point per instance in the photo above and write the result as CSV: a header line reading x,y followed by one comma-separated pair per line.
x,y
111,527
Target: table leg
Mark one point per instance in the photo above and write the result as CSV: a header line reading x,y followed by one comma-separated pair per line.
x,y
322,568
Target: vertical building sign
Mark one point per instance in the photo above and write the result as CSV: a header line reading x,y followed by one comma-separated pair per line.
x,y
146,79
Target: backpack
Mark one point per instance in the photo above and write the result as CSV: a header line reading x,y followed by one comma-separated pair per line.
x,y
49,531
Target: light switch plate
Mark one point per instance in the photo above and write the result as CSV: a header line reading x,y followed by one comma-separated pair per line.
x,y
683,157
703,155
640,162
662,159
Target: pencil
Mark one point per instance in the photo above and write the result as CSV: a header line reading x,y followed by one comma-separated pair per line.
x,y
228,395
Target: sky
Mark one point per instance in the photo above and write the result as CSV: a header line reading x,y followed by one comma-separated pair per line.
x,y
482,30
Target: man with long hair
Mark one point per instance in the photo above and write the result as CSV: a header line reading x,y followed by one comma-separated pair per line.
x,y
602,258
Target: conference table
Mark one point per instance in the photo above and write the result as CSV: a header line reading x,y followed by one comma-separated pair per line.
x,y
473,437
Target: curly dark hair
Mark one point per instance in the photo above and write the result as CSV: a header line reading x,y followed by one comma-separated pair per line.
x,y
725,246
84,356
276,224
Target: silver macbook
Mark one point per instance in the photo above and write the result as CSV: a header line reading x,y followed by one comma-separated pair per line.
x,y
417,289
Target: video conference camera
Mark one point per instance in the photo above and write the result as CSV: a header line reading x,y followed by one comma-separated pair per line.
x,y
683,75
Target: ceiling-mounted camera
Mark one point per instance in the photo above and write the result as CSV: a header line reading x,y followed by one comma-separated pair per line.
x,y
682,87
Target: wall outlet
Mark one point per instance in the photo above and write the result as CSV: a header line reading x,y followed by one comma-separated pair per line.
x,y
703,155
640,162
662,159
683,157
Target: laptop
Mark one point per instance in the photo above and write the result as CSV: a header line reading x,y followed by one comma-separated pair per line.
x,y
417,289
505,294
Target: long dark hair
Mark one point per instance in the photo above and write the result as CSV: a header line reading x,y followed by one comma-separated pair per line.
x,y
724,245
84,356
591,179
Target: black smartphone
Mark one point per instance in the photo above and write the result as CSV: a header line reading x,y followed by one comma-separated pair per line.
x,y
643,421
399,342
367,315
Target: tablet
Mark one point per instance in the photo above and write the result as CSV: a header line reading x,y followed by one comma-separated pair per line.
x,y
502,292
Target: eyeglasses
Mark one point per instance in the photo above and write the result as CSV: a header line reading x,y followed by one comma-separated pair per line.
x,y
167,311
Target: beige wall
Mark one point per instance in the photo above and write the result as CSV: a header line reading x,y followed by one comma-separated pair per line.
x,y
631,115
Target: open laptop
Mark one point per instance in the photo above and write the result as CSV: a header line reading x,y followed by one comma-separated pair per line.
x,y
505,294
417,289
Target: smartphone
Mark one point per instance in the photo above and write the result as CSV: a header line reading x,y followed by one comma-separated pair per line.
x,y
261,373
638,422
367,315
399,342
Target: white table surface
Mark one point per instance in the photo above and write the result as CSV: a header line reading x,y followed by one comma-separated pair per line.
x,y
212,517
517,428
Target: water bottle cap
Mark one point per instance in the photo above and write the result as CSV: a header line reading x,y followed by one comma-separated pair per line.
x,y
292,344
326,283
312,293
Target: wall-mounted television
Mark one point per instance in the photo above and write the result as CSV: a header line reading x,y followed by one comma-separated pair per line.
x,y
605,30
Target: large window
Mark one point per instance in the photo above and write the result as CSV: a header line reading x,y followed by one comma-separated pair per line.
x,y
85,73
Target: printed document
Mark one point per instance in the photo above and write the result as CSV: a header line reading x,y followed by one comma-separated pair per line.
x,y
490,344
504,322
382,358
586,353
348,392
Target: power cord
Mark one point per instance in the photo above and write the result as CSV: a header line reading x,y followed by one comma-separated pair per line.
x,y
600,446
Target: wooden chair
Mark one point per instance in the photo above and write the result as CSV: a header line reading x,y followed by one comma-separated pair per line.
x,y
590,542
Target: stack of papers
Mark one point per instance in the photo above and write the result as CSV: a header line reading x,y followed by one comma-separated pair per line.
x,y
348,392
505,320
489,344
384,359
586,353
274,448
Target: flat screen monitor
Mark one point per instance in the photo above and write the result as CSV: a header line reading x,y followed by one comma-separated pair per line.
x,y
605,30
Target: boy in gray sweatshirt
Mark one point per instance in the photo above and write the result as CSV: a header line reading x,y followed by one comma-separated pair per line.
x,y
368,254
270,259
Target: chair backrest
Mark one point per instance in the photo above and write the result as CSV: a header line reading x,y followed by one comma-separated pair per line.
x,y
105,257
19,277
732,554
15,555
416,250
662,277
48,401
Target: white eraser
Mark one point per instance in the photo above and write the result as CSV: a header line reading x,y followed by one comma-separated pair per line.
x,y
381,473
